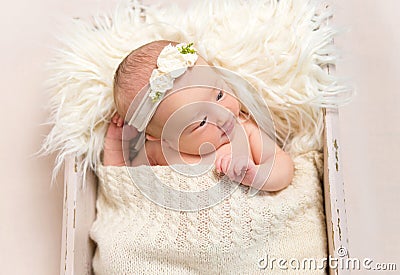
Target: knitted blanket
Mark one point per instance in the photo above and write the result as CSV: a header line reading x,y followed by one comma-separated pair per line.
x,y
236,236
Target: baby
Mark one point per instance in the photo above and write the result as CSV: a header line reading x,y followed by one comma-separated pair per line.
x,y
154,91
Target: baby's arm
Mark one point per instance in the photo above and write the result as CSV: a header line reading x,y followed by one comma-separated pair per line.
x,y
281,171
261,170
275,169
113,146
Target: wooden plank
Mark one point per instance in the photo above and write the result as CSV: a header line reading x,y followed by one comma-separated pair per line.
x,y
335,210
78,215
334,198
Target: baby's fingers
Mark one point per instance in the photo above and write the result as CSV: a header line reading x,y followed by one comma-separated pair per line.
x,y
221,164
117,120
218,165
239,170
225,162
120,122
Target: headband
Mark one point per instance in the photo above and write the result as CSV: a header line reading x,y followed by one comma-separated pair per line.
x,y
172,62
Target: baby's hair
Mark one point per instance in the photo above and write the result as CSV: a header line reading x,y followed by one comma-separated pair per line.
x,y
133,73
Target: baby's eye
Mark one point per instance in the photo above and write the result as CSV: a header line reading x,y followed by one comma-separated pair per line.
x,y
220,95
203,122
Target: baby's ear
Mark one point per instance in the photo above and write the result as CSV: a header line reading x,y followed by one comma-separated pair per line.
x,y
151,138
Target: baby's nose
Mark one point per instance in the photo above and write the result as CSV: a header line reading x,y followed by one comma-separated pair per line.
x,y
220,115
225,120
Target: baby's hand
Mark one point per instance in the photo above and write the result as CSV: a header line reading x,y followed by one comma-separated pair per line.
x,y
240,169
114,131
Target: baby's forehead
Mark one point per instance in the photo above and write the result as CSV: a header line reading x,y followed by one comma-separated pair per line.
x,y
190,102
201,76
188,95
199,83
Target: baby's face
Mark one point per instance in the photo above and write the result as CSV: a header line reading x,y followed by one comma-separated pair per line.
x,y
191,117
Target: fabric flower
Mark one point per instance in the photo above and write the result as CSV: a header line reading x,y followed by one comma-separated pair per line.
x,y
172,61
160,82
189,54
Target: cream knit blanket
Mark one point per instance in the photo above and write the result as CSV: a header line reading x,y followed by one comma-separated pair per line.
x,y
136,236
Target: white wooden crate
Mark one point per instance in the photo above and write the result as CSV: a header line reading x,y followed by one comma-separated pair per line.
x,y
80,206
79,211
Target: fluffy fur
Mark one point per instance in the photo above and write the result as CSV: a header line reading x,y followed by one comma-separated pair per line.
x,y
280,47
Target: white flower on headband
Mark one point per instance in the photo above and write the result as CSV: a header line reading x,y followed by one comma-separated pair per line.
x,y
172,62
160,83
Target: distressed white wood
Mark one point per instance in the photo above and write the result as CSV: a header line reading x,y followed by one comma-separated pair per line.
x,y
78,215
335,210
334,198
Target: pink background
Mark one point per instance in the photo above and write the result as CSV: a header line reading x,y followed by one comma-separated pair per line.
x,y
31,210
